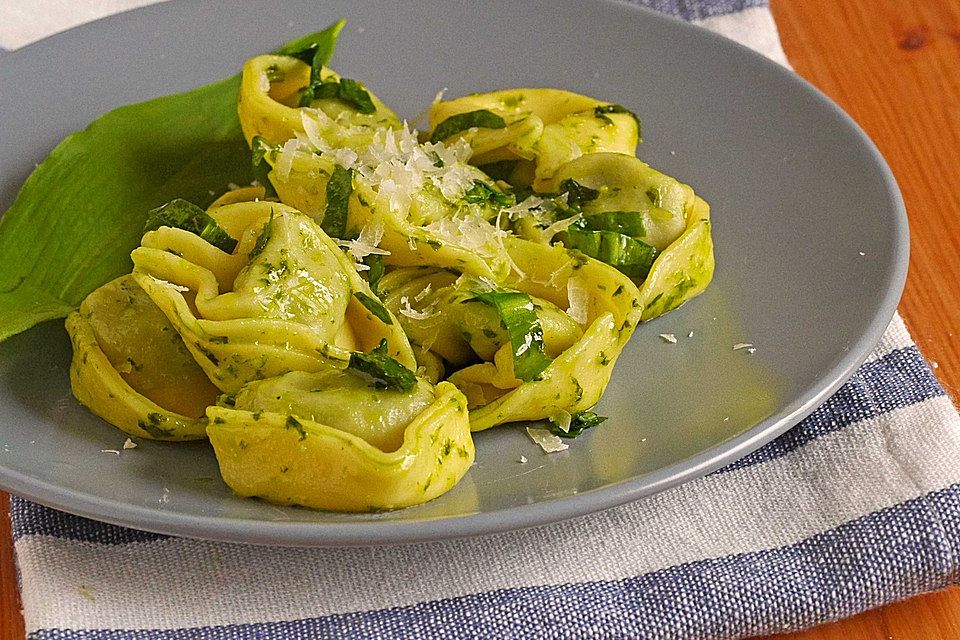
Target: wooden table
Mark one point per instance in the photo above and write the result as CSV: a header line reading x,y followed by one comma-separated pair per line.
x,y
894,65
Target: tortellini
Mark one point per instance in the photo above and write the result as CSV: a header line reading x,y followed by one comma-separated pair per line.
x,y
299,461
270,92
340,327
539,129
131,368
287,300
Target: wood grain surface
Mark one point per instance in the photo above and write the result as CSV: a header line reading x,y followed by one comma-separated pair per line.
x,y
894,65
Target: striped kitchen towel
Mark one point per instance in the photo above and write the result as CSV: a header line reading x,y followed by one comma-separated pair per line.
x,y
857,506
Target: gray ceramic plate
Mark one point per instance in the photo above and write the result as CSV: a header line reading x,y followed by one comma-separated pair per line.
x,y
811,242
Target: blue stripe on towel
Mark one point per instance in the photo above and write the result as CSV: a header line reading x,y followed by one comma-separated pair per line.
x,y
899,379
28,518
875,559
699,9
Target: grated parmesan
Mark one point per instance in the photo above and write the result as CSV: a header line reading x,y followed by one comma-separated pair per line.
x,y
129,444
742,345
669,337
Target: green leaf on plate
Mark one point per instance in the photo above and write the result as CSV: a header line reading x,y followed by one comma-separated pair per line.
x,y
82,211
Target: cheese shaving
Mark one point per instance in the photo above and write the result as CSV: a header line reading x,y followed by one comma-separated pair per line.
x,y
410,312
579,299
170,285
285,159
531,207
669,337
129,444
547,441
423,294
561,225
366,243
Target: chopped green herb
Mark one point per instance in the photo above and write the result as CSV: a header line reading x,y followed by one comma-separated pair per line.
x,y
481,118
630,256
275,73
209,355
314,47
374,306
323,91
518,315
259,149
263,238
376,271
577,258
352,92
293,423
152,425
577,194
385,372
185,215
346,90
602,111
482,193
655,196
339,188
629,223
579,423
